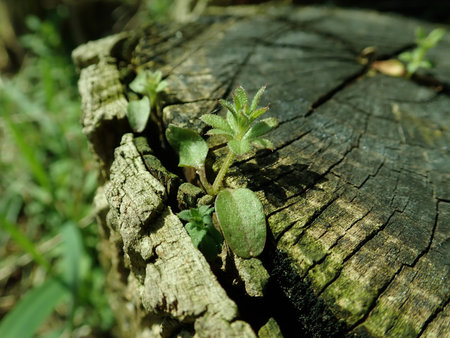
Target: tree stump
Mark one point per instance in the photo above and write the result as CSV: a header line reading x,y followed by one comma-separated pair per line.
x,y
356,192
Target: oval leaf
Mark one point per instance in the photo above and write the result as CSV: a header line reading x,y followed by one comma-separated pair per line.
x,y
242,220
189,145
138,113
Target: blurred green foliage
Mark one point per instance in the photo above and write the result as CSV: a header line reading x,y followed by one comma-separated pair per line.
x,y
47,185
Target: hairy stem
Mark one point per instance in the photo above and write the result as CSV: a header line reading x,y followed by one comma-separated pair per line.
x,y
222,172
204,180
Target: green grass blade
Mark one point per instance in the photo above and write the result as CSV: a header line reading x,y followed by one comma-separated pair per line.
x,y
32,310
23,242
74,251
36,168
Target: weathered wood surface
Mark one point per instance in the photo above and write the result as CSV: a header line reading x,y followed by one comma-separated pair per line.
x,y
357,192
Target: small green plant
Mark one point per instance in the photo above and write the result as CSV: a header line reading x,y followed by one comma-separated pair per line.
x,y
239,212
415,59
202,231
149,84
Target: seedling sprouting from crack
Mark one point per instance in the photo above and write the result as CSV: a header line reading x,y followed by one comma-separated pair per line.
x,y
149,84
415,59
239,212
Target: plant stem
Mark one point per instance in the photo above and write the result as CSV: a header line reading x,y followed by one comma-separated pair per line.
x,y
204,180
222,172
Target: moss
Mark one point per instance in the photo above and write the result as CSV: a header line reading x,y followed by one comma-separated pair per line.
x,y
349,299
306,252
323,273
387,323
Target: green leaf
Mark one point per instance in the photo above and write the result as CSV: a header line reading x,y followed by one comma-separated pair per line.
x,y
262,143
260,128
240,98
406,56
185,215
256,99
232,122
189,145
220,132
239,147
229,106
138,113
23,241
32,310
258,112
242,220
139,84
216,122
433,38
161,86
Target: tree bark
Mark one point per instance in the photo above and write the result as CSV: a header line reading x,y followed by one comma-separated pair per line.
x,y
356,192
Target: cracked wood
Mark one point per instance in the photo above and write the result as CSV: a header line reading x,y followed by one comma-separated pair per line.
x,y
357,191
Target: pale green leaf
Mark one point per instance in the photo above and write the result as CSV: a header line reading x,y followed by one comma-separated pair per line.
x,y
256,98
240,98
239,147
229,135
262,143
242,220
258,112
261,128
216,122
189,145
139,84
138,113
229,106
232,122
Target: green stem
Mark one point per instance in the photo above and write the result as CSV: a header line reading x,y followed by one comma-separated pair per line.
x,y
222,172
204,180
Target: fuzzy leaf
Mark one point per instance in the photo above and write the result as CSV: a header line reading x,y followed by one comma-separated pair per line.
x,y
242,220
256,98
260,128
239,147
190,146
240,98
220,132
138,113
229,106
262,143
216,122
258,112
232,122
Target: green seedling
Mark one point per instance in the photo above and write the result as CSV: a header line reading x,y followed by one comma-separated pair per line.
x,y
149,84
239,212
415,59
202,231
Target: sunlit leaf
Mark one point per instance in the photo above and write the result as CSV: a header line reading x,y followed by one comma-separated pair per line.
x,y
260,128
240,98
242,220
229,106
190,146
256,98
239,147
216,122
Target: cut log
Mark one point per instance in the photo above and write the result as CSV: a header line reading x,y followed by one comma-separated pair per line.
x,y
356,192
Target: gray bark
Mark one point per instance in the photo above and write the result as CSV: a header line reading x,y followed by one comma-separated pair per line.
x,y
356,193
